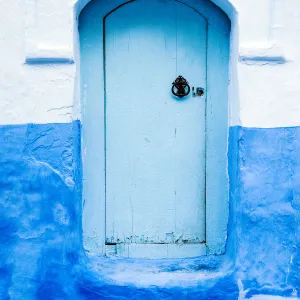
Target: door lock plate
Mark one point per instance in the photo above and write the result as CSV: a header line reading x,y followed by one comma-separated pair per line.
x,y
199,92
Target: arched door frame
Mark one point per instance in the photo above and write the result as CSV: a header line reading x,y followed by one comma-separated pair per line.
x,y
217,181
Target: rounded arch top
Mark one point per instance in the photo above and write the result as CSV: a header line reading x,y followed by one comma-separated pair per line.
x,y
221,7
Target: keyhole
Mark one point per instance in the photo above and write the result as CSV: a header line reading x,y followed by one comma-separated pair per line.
x,y
200,92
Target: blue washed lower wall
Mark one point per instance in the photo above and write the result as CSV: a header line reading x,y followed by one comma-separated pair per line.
x,y
41,254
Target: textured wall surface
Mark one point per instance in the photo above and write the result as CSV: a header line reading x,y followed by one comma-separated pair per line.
x,y
41,252
41,236
39,54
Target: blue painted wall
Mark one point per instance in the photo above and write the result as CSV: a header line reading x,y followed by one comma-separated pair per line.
x,y
41,254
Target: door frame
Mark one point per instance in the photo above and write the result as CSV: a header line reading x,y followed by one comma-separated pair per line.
x,y
91,21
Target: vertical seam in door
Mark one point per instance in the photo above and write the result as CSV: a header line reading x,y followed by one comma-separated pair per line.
x,y
104,103
176,38
205,141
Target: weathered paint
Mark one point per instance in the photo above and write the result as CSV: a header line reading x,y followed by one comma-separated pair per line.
x,y
57,37
40,262
150,136
155,142
43,256
40,229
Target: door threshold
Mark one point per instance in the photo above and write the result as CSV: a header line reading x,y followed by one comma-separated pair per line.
x,y
156,251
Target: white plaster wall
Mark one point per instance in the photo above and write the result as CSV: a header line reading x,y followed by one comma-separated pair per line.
x,y
34,93
39,55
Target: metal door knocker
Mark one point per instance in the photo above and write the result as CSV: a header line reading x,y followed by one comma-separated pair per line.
x,y
180,87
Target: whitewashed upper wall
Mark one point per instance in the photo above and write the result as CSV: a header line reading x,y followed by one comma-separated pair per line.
x,y
39,55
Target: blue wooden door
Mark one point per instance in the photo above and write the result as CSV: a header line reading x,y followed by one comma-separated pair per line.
x,y
155,142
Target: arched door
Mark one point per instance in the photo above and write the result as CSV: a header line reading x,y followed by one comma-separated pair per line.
x,y
155,141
